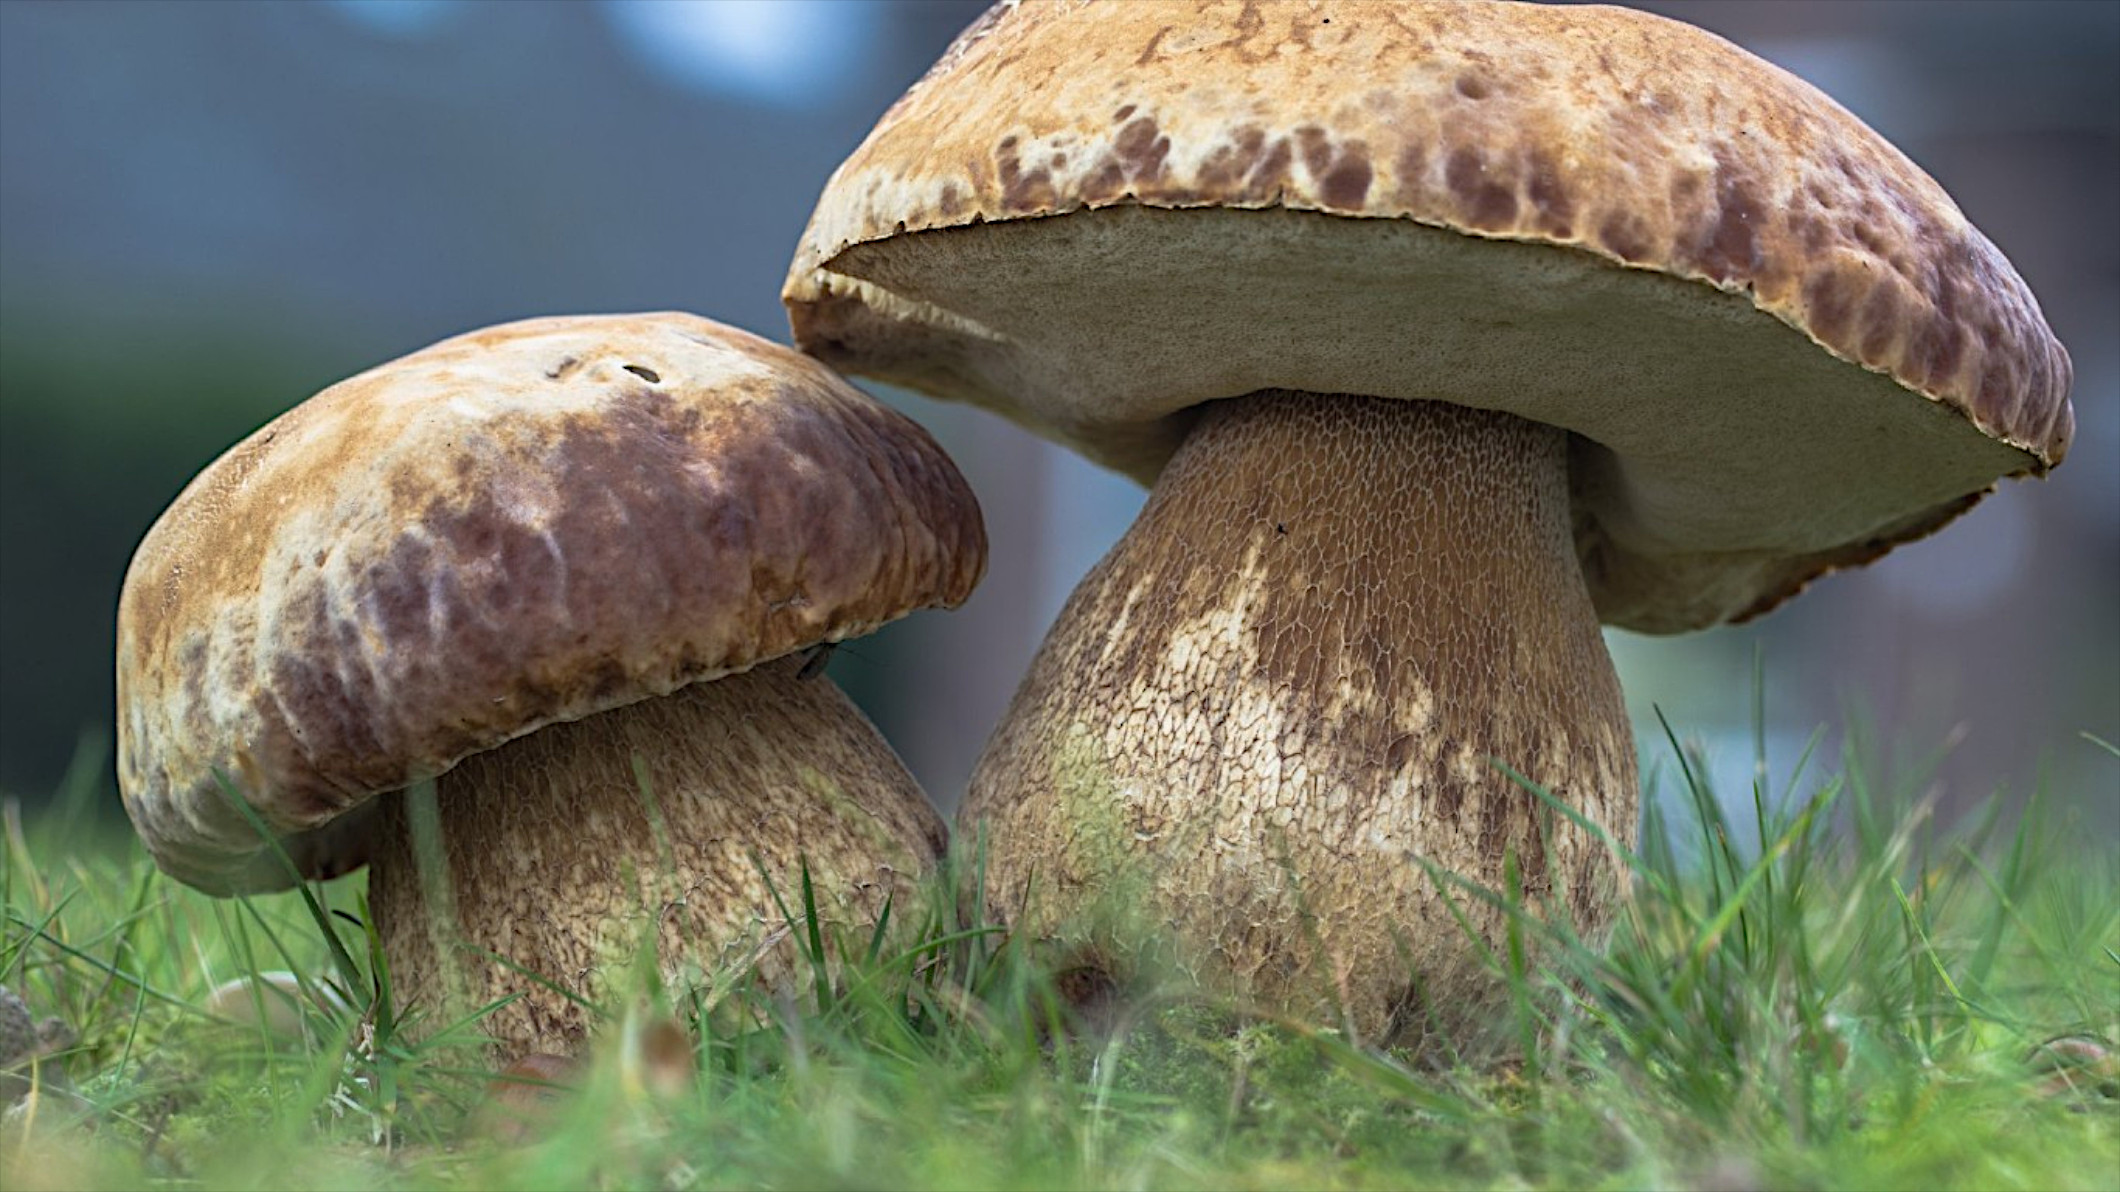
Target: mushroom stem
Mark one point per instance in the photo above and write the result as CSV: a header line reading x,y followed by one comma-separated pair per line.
x,y
1285,683
571,849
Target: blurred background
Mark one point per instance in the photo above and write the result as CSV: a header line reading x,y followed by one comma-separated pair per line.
x,y
209,210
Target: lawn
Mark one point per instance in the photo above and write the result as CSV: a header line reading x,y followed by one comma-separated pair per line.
x,y
1865,1000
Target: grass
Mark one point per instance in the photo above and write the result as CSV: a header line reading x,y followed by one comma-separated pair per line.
x,y
1862,1000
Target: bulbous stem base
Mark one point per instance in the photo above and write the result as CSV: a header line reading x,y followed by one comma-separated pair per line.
x,y
1287,686
647,831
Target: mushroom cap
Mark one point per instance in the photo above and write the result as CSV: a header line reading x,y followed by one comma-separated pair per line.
x,y
526,524
1780,347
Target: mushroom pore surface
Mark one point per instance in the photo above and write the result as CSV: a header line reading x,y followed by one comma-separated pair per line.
x,y
1293,677
655,825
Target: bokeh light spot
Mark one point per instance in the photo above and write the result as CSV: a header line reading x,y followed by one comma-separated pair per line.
x,y
791,53
397,18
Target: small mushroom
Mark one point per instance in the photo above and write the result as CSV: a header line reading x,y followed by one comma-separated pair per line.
x,y
568,569
650,1056
523,1098
2076,1065
275,1000
1443,332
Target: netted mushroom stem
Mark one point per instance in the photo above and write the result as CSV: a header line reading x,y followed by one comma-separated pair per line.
x,y
569,850
1285,683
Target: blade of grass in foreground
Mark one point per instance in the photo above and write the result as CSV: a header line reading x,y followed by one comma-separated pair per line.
x,y
348,971
1807,1008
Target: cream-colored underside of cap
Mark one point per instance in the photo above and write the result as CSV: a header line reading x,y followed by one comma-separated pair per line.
x,y
1718,448
1508,203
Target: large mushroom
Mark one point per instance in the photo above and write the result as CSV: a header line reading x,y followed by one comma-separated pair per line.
x,y
1443,333
570,568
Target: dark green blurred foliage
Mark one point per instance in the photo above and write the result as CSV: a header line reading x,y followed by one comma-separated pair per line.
x,y
99,429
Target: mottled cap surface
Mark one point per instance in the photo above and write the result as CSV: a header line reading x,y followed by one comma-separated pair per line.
x,y
1779,345
522,525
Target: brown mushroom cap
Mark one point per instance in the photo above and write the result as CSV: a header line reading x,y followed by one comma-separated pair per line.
x,y
520,526
1779,346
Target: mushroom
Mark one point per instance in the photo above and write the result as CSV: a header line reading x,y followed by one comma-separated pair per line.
x,y
568,568
1443,333
522,1100
275,1002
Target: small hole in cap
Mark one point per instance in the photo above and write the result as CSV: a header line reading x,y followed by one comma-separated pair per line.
x,y
646,374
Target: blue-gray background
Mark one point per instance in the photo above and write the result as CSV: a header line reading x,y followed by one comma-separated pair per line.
x,y
210,210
